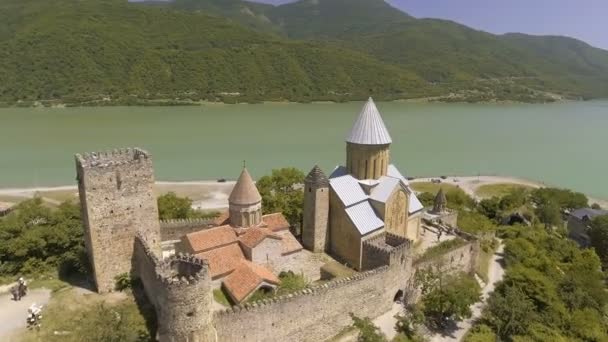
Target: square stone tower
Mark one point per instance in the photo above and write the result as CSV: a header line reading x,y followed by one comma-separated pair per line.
x,y
315,236
117,202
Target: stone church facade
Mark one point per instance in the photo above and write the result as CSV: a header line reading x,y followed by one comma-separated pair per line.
x,y
357,202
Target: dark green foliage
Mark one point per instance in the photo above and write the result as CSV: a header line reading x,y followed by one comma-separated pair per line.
x,y
563,198
480,333
427,199
475,223
123,281
596,206
446,297
281,192
35,239
549,214
171,206
115,52
599,238
368,332
290,282
552,290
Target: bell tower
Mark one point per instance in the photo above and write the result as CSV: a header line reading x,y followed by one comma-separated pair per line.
x,y
367,145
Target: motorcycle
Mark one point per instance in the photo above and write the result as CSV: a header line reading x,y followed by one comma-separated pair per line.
x,y
34,316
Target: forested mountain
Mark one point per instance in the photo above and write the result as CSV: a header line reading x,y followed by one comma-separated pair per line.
x,y
77,51
440,51
112,51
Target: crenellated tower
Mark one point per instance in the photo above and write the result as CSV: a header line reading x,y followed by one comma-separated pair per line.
x,y
315,227
117,202
367,145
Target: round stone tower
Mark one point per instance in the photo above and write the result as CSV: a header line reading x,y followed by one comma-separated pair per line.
x,y
367,145
245,202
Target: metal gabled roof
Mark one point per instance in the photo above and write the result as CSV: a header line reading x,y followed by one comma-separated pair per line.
x,y
415,204
348,190
392,171
339,171
384,189
369,129
364,217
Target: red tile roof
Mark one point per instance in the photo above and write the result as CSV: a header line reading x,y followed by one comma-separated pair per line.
x,y
223,260
207,239
247,278
254,236
222,219
275,222
289,242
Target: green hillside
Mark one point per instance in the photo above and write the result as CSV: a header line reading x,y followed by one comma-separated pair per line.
x,y
456,58
80,51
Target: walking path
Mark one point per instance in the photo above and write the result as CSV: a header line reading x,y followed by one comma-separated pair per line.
x,y
495,275
13,314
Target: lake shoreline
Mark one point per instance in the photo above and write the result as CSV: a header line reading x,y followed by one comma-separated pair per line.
x,y
469,184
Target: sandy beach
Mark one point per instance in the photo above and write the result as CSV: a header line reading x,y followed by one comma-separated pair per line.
x,y
211,194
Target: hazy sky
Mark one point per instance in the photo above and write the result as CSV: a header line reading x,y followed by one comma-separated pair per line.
x,y
583,19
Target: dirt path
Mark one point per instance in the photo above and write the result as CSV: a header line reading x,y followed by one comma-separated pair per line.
x,y
495,275
13,314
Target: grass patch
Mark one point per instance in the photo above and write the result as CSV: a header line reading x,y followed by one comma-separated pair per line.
x,y
344,334
334,270
290,282
431,187
60,195
73,316
499,190
220,297
441,249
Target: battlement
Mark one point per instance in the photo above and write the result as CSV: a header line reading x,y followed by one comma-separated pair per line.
x,y
182,270
384,249
311,291
187,223
110,158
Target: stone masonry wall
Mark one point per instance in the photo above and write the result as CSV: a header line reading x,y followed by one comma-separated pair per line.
x,y
117,201
314,314
175,229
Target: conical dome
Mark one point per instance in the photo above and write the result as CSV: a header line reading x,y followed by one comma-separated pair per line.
x,y
317,177
245,191
369,129
440,202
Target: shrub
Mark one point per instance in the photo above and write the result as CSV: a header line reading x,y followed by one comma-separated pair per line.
x,y
123,282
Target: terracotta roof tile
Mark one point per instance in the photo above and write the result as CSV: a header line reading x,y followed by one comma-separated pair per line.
x,y
275,222
246,278
223,260
222,219
254,236
207,239
289,242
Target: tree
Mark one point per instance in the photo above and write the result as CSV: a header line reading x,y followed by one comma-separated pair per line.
x,y
510,311
446,297
599,238
426,198
549,214
282,192
170,206
596,206
563,198
368,332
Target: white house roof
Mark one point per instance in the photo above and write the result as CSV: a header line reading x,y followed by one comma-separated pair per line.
x,y
364,217
384,189
348,190
369,129
415,204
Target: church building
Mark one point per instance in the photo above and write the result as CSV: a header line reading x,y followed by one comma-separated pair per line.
x,y
361,200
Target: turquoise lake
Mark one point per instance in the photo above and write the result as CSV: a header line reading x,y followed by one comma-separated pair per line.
x,y
562,144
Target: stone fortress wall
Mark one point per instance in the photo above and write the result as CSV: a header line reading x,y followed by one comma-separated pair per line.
x,y
124,234
174,229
